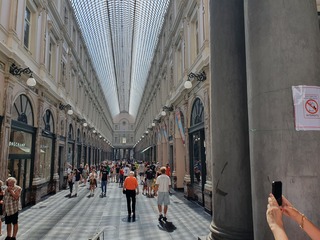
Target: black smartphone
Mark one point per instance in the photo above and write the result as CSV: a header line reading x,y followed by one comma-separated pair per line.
x,y
277,191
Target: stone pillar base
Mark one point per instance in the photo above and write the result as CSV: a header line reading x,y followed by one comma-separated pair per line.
x,y
37,185
208,197
41,188
227,234
188,188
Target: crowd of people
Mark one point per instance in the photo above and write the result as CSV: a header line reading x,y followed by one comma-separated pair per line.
x,y
155,180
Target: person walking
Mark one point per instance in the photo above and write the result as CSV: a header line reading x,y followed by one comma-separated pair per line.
x,y
168,170
163,184
121,177
150,175
103,179
71,182
12,206
85,174
77,179
93,182
126,171
131,188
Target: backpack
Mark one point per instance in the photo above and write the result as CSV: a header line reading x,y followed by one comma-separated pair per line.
x,y
150,174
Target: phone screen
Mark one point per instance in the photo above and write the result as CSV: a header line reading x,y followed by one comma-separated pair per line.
x,y
277,191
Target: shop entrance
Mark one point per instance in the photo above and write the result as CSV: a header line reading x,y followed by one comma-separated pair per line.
x,y
197,154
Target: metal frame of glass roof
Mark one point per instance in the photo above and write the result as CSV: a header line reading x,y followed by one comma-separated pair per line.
x,y
121,37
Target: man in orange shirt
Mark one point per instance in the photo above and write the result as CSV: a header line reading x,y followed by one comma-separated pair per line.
x,y
131,187
168,170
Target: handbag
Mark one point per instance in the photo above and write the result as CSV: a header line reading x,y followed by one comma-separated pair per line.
x,y
124,191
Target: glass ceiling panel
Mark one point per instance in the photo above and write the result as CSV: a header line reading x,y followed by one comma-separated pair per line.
x,y
121,36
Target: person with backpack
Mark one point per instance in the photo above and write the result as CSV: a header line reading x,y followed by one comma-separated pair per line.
x,y
150,177
104,179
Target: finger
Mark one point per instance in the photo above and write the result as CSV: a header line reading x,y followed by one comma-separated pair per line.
x,y
272,201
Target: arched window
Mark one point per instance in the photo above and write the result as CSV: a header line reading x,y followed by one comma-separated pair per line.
x,y
78,135
48,121
70,132
197,113
22,110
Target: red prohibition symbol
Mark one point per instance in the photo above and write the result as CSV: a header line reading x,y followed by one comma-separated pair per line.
x,y
311,106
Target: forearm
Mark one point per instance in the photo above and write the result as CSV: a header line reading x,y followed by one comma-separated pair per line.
x,y
279,234
307,226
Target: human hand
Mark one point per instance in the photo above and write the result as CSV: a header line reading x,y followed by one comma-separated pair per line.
x,y
274,214
290,211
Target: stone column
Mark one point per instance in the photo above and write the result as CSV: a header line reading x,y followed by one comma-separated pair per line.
x,y
282,49
232,212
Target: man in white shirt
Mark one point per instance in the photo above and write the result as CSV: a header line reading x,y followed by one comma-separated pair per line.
x,y
141,171
163,184
126,171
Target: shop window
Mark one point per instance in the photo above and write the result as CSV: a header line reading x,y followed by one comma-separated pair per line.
x,y
46,145
20,142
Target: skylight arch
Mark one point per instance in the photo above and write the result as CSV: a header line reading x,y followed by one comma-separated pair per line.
x,y
121,36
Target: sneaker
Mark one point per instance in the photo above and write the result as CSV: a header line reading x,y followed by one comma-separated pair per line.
x,y
104,194
160,217
164,219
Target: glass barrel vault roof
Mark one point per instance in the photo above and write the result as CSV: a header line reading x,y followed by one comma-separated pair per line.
x,y
121,36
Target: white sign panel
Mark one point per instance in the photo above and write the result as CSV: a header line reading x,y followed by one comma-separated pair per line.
x,y
306,100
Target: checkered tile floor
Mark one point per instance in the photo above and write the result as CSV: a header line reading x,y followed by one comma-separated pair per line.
x,y
60,217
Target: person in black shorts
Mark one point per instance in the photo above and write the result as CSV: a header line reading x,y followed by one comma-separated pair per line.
x,y
12,206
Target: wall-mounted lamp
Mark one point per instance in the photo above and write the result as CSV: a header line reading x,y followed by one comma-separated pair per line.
x,y
165,109
15,71
84,123
66,107
93,129
153,124
198,76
